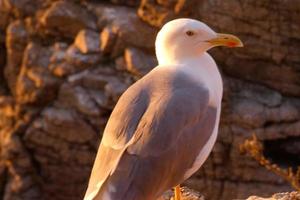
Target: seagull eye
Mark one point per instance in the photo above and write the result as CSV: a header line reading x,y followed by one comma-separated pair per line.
x,y
190,33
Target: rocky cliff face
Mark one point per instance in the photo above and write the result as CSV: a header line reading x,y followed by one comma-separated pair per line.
x,y
188,194
63,65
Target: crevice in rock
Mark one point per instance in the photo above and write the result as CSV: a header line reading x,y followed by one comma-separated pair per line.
x,y
269,124
3,87
284,152
3,178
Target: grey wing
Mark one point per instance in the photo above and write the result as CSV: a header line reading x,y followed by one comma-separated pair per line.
x,y
118,131
166,147
163,137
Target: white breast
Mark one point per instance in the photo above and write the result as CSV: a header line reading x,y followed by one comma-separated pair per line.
x,y
206,72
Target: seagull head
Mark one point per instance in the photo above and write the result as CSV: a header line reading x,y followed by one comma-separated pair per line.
x,y
184,38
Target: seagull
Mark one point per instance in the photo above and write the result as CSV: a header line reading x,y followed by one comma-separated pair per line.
x,y
164,126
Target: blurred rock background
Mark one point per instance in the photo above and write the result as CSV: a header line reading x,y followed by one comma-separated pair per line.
x,y
63,65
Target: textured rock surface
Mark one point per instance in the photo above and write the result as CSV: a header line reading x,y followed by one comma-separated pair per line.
x,y
187,194
67,19
279,196
64,64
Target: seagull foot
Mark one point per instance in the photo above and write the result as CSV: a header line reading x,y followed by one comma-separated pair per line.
x,y
177,193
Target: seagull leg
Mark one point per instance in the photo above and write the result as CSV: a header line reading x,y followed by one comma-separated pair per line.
x,y
177,193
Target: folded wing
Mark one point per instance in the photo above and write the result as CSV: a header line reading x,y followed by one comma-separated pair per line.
x,y
153,136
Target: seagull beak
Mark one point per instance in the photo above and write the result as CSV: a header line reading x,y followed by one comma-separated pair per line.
x,y
227,40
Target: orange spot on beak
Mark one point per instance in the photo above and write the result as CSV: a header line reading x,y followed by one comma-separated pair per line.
x,y
231,44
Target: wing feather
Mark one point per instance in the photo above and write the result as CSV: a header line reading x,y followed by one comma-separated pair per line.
x,y
118,132
151,119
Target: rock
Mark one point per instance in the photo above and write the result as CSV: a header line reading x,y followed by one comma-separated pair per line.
x,y
3,174
58,66
59,52
279,196
108,40
81,61
16,41
250,112
63,69
21,8
187,194
101,88
133,3
90,79
154,14
259,93
69,137
7,112
120,63
5,17
100,98
67,19
66,125
2,36
138,62
115,88
265,61
2,65
88,41
35,84
159,12
78,98
124,21
21,185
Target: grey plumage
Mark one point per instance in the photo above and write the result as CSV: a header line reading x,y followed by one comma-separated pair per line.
x,y
151,130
